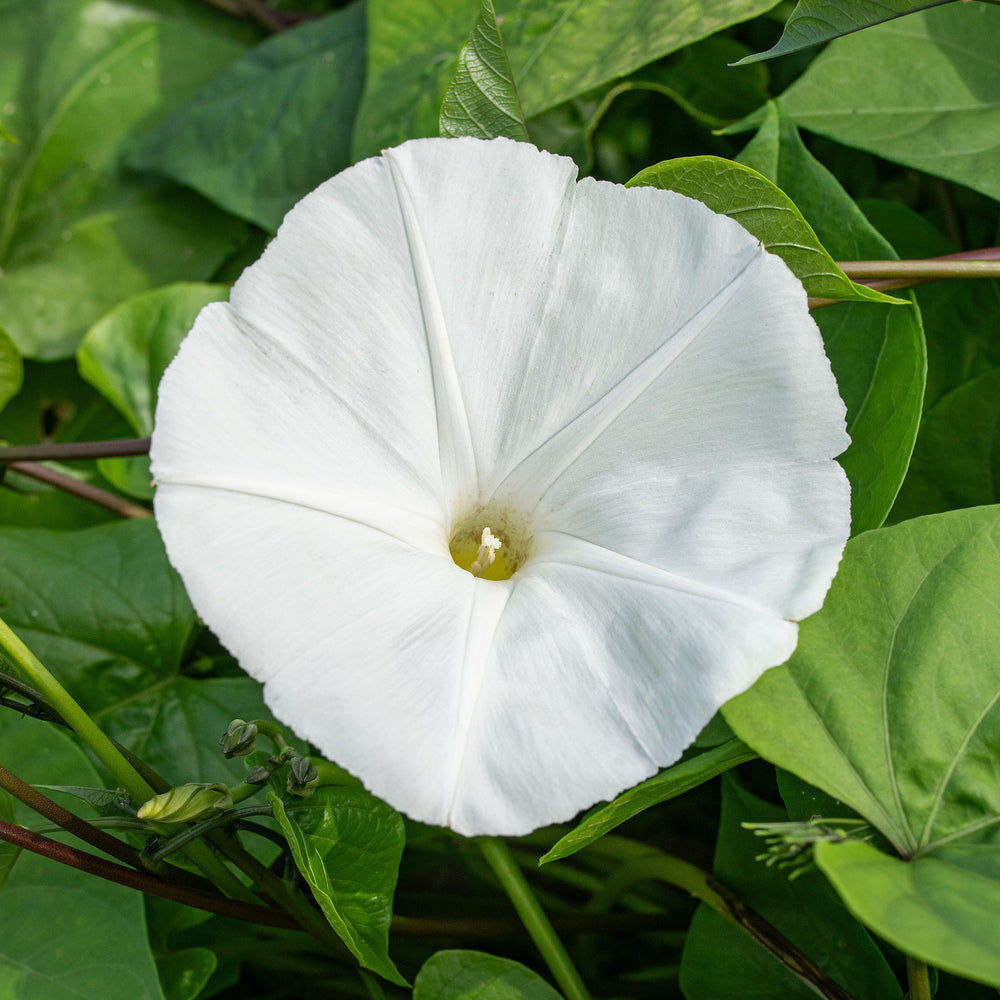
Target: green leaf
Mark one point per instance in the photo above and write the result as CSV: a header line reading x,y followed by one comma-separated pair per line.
x,y
816,21
65,934
895,687
956,462
557,50
131,475
481,100
55,404
878,354
959,315
124,356
184,973
347,844
764,210
922,91
941,908
668,784
270,127
701,80
474,975
105,612
720,961
79,233
11,370
8,852
125,353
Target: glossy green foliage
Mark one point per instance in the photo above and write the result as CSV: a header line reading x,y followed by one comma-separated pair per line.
x,y
474,975
877,352
763,209
104,611
816,21
556,50
54,404
271,126
939,907
922,91
805,909
668,784
79,233
101,949
894,689
347,845
11,369
481,100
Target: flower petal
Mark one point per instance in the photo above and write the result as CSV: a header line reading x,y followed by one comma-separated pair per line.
x,y
367,647
601,674
458,324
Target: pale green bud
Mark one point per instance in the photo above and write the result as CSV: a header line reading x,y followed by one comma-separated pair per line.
x,y
187,803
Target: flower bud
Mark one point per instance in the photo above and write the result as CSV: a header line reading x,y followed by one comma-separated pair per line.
x,y
187,803
238,740
303,778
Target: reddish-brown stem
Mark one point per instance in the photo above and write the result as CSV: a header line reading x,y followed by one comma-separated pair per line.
x,y
109,501
80,828
143,881
119,448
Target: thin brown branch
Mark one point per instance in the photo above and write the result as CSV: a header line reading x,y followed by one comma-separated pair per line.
x,y
143,881
93,494
89,834
118,448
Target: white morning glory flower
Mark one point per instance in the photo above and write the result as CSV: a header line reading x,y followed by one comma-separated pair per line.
x,y
503,483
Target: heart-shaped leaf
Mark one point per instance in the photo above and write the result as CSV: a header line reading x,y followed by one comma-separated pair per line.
x,y
895,690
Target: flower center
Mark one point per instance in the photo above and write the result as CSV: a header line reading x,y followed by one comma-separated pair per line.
x,y
491,544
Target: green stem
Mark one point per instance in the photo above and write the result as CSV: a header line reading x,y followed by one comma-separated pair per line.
x,y
57,696
107,753
921,269
509,875
918,978
290,899
197,830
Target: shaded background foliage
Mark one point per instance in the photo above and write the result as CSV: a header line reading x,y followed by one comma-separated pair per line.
x,y
149,150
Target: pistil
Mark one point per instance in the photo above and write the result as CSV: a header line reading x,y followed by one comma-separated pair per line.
x,y
487,553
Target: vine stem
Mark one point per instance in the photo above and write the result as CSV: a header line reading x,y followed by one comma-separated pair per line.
x,y
144,881
57,696
107,753
642,862
85,491
498,856
918,978
88,833
117,448
922,269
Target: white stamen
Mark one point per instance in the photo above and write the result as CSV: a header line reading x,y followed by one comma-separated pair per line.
x,y
489,544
